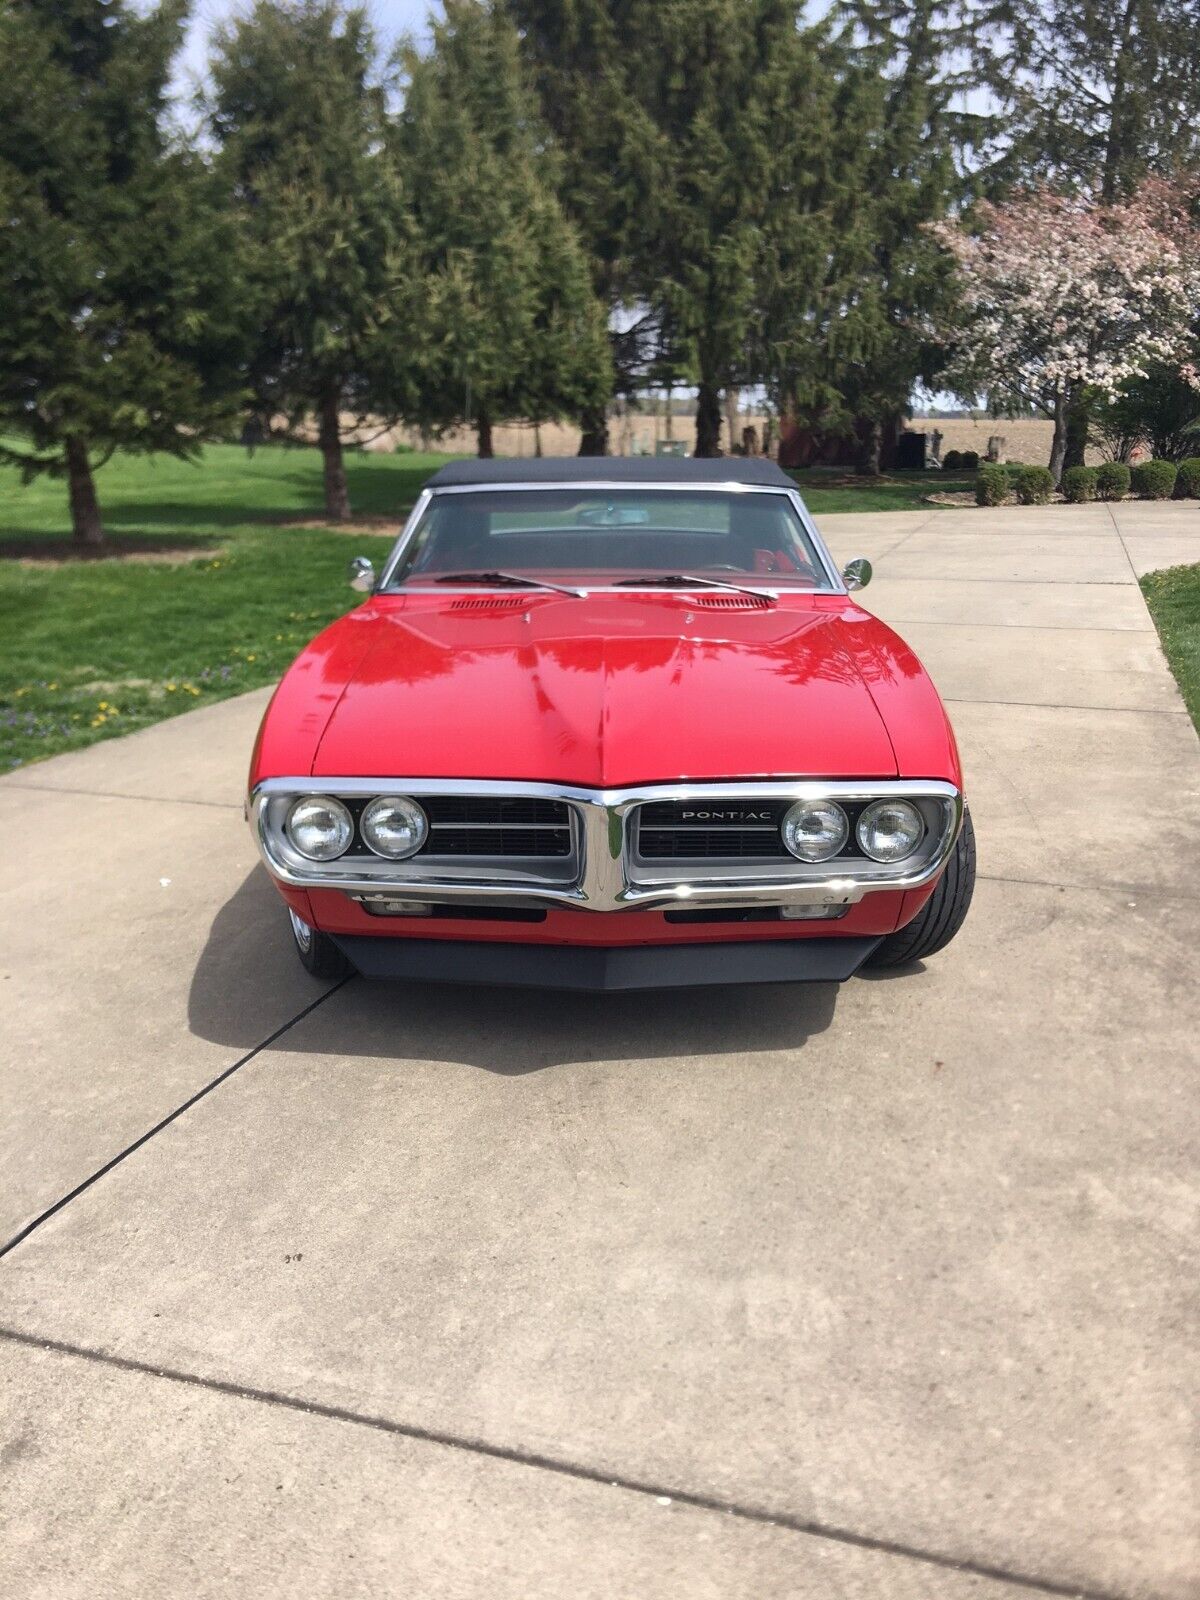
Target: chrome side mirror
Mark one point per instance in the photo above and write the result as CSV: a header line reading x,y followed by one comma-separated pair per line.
x,y
856,574
362,575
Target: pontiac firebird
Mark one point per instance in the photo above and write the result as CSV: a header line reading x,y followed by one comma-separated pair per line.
x,y
607,724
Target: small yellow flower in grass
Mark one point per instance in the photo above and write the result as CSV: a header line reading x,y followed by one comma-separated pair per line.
x,y
97,721
52,686
191,688
171,688
251,658
102,705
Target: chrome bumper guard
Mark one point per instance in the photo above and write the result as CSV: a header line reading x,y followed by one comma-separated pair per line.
x,y
603,872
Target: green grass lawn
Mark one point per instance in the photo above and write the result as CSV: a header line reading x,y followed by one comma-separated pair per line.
x,y
828,490
95,648
100,647
1173,597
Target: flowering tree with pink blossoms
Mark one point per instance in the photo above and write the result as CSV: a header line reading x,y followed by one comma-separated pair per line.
x,y
1058,294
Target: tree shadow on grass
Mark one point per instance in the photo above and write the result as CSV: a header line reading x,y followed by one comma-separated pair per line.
x,y
506,1031
42,549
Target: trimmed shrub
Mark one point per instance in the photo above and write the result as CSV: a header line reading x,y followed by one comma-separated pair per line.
x,y
1187,479
1034,486
991,486
969,460
1112,480
1079,485
952,461
1154,480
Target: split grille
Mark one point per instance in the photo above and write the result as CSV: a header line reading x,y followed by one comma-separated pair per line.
x,y
487,827
700,832
478,825
496,828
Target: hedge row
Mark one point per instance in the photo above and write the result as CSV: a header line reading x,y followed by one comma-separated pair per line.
x,y
1033,486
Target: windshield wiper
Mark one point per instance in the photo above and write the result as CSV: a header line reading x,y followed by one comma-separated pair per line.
x,y
685,580
510,580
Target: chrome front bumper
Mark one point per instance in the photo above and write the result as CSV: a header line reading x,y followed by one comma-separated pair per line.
x,y
603,871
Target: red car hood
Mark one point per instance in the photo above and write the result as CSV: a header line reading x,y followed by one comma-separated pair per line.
x,y
607,691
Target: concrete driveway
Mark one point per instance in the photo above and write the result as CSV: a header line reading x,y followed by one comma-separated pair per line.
x,y
786,1292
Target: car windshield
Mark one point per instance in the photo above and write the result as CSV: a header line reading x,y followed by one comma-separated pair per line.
x,y
601,537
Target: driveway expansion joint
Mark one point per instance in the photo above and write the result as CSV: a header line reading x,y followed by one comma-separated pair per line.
x,y
514,1456
1036,627
15,782
1054,705
1141,891
165,1122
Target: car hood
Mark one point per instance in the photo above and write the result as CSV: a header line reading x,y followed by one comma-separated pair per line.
x,y
609,690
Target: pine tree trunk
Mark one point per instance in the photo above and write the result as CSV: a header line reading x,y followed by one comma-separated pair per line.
x,y
1058,449
593,423
337,495
86,526
708,420
872,446
731,417
483,432
1119,136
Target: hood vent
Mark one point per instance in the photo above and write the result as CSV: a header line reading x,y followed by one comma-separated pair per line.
x,y
491,602
729,602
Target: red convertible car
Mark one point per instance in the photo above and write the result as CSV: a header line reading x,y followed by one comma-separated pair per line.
x,y
611,724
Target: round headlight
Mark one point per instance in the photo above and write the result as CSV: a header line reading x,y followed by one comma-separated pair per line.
x,y
394,826
889,830
814,830
320,827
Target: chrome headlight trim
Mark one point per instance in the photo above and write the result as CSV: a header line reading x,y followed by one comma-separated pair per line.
x,y
603,872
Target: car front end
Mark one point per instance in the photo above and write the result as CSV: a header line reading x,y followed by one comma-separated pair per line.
x,y
606,780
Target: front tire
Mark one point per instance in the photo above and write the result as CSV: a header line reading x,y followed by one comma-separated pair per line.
x,y
942,915
317,951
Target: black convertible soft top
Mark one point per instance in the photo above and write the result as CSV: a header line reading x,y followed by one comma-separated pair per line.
x,y
550,470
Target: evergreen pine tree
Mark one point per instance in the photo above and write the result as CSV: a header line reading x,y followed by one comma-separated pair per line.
x,y
300,118
118,320
897,137
586,61
512,326
1092,97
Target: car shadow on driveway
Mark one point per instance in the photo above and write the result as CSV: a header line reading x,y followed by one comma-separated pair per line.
x,y
506,1031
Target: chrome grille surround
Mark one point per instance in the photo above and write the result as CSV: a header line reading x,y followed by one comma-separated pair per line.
x,y
603,871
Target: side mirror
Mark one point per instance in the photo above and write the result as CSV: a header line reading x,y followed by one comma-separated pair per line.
x,y
856,574
362,575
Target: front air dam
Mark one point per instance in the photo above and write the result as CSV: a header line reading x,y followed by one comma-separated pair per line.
x,y
607,969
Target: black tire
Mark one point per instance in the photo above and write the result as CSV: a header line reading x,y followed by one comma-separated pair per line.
x,y
942,915
317,950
